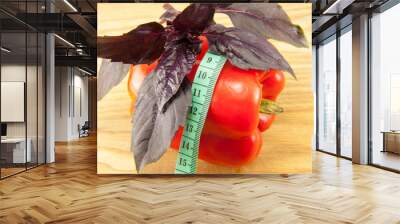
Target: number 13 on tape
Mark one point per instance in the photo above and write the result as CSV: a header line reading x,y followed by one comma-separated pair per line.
x,y
202,91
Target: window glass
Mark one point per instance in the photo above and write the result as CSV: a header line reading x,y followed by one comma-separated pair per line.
x,y
385,84
14,153
346,94
327,96
22,90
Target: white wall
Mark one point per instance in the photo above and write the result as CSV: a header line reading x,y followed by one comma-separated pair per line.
x,y
13,101
62,81
13,73
82,83
33,127
71,103
79,103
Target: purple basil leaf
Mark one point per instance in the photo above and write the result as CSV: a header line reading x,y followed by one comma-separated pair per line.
x,y
195,18
110,74
268,20
245,50
174,64
170,13
153,130
142,45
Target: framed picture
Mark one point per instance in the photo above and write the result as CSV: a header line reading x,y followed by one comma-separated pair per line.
x,y
157,115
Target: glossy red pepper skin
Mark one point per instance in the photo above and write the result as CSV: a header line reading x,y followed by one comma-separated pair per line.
x,y
230,135
225,151
273,84
232,131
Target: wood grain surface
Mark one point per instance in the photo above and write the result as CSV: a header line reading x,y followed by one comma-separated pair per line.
x,y
70,192
287,144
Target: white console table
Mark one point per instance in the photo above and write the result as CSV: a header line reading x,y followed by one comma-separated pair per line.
x,y
18,149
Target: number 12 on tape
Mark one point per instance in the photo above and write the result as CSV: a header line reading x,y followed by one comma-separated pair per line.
x,y
202,91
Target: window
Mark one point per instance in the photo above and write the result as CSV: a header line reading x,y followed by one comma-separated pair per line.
x,y
346,92
327,96
385,89
22,77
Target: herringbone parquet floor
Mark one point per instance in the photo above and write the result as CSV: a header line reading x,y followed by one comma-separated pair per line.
x,y
69,191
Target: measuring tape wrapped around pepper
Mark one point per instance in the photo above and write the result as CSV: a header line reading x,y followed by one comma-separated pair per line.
x,y
237,115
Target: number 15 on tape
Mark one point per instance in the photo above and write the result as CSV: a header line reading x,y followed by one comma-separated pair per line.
x,y
202,91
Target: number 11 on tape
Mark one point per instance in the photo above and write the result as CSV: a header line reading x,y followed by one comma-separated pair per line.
x,y
202,91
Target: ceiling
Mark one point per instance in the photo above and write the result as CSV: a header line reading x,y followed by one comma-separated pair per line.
x,y
331,15
75,21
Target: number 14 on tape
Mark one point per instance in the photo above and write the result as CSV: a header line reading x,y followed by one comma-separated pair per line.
x,y
202,91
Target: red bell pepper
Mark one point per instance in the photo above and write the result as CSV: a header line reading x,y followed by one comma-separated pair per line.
x,y
232,131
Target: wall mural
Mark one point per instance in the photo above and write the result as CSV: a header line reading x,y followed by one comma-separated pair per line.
x,y
204,88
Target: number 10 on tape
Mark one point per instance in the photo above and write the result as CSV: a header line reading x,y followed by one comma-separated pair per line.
x,y
202,91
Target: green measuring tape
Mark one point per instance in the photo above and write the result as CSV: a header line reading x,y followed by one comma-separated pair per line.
x,y
202,91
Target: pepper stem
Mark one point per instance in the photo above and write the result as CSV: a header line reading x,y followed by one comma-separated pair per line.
x,y
270,107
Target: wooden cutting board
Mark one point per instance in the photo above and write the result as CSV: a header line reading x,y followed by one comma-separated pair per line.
x,y
287,144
